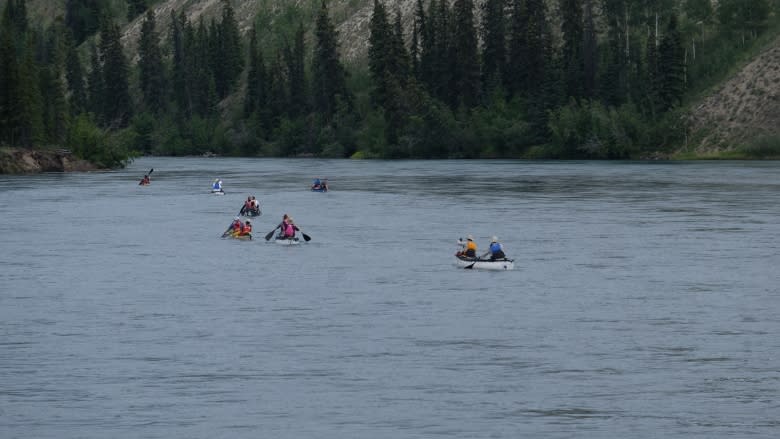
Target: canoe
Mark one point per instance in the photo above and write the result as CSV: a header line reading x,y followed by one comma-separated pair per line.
x,y
285,241
321,189
251,213
218,192
240,237
485,264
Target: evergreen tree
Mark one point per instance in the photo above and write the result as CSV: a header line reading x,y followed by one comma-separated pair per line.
x,y
671,68
572,31
590,51
278,102
518,53
379,53
427,43
294,58
440,82
229,56
117,107
614,79
150,64
414,51
252,99
202,80
95,86
329,76
180,70
400,64
651,83
52,87
466,74
74,73
9,86
30,108
494,57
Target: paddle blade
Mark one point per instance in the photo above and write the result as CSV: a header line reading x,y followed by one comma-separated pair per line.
x,y
306,237
268,236
150,171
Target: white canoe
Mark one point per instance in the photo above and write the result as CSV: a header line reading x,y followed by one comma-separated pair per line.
x,y
485,264
282,241
218,192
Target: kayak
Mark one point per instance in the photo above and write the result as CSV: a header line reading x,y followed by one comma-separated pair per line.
x,y
251,213
485,264
286,241
240,237
320,189
218,192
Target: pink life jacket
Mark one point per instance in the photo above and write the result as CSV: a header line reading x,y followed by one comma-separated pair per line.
x,y
289,230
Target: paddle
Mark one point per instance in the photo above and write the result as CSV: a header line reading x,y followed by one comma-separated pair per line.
x,y
270,234
470,266
306,237
227,232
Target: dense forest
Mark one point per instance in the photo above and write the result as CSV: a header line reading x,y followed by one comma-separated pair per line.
x,y
495,78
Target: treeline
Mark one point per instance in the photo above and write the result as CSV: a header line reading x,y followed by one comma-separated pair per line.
x,y
584,79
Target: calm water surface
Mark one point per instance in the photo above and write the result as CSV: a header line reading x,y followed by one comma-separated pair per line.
x,y
645,302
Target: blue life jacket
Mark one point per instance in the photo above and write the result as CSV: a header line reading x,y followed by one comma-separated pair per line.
x,y
216,186
495,247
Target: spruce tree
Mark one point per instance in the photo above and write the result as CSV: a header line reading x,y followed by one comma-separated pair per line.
x,y
9,86
494,43
518,69
256,71
180,69
296,68
117,107
590,51
328,74
150,64
466,74
671,68
229,57
571,51
54,103
379,53
95,86
30,121
74,73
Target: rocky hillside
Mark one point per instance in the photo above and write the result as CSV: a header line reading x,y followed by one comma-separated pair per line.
x,y
744,108
27,161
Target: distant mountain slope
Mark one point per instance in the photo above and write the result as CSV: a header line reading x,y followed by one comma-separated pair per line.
x,y
350,16
742,109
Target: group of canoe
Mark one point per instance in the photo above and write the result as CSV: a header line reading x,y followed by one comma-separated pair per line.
x,y
466,257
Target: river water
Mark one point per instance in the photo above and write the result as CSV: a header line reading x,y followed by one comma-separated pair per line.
x,y
644,302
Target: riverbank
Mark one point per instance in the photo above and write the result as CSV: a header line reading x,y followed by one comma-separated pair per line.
x,y
33,161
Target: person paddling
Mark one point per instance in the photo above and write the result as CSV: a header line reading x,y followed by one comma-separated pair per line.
x,y
496,251
144,181
217,185
236,227
469,248
247,229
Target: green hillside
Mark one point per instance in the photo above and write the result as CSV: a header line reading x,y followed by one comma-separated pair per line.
x,y
583,79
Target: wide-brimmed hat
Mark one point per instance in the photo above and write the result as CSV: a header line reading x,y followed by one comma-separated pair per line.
x,y
470,238
494,239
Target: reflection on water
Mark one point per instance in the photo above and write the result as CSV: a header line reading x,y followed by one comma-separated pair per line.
x,y
643,303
